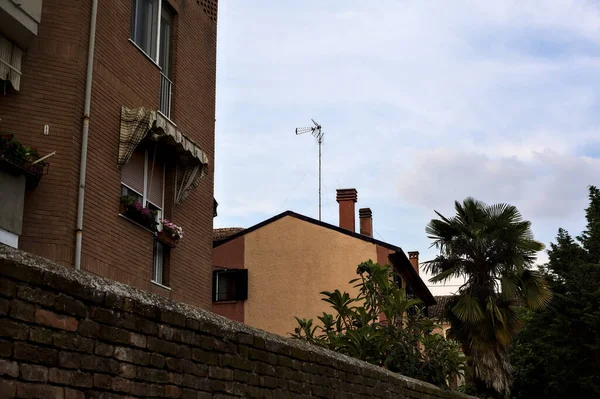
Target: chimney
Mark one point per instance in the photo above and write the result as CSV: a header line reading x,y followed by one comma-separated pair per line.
x,y
366,221
347,197
413,257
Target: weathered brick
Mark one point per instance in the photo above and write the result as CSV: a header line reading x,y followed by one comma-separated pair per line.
x,y
71,378
35,354
5,348
162,346
73,394
39,391
8,288
137,340
102,381
4,306
173,318
204,357
35,295
8,389
74,288
40,335
54,320
127,370
132,355
121,385
157,360
21,272
9,368
66,304
147,390
113,334
220,373
30,372
65,340
172,391
88,328
102,349
152,375
72,360
21,310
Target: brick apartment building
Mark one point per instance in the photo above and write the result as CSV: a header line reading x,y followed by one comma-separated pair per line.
x,y
150,137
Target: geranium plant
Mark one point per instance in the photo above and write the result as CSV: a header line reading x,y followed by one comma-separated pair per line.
x,y
172,229
135,211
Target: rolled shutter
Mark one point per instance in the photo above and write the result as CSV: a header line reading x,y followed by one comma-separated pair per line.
x,y
155,183
132,174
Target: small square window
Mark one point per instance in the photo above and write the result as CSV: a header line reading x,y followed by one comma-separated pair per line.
x,y
230,285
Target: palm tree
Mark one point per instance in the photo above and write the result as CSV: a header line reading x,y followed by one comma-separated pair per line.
x,y
493,249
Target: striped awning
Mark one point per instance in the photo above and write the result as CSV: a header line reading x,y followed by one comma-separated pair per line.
x,y
10,62
191,163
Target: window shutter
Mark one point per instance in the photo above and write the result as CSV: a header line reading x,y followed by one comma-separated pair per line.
x,y
132,174
242,293
155,183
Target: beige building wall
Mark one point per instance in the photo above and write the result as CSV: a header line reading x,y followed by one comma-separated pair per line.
x,y
289,262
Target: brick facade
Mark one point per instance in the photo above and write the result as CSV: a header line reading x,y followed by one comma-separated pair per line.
x,y
65,334
52,93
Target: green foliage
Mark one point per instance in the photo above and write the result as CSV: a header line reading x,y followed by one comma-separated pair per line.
x,y
383,327
19,154
493,249
557,353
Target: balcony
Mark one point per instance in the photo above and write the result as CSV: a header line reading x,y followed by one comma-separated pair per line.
x,y
165,95
19,20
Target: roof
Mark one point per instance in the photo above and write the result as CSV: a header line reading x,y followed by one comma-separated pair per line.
x,y
437,311
398,258
221,234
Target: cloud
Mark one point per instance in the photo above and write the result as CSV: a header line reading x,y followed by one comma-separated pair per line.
x,y
423,103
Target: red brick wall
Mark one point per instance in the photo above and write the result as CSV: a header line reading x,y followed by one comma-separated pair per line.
x,y
52,90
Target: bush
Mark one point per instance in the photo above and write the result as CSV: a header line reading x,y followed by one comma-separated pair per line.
x,y
383,327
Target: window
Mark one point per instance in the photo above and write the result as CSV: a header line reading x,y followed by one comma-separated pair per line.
x,y
152,31
143,178
160,263
144,25
230,285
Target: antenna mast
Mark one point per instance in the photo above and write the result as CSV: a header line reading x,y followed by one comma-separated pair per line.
x,y
318,134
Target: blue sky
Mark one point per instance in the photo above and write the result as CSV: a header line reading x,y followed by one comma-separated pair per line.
x,y
422,103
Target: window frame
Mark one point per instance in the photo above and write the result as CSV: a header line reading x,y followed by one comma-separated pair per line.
x,y
144,195
159,273
239,279
134,24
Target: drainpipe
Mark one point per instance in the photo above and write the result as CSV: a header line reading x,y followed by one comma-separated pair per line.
x,y
84,135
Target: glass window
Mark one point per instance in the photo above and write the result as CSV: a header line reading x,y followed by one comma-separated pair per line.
x,y
144,24
143,177
230,285
166,33
160,263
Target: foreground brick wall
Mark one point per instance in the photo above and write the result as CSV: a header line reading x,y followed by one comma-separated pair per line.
x,y
66,334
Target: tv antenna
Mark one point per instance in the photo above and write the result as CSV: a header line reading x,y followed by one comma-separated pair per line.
x,y
318,134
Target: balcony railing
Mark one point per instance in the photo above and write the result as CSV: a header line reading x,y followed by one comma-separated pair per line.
x,y
165,95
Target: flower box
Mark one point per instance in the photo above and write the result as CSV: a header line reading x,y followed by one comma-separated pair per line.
x,y
167,239
170,233
19,159
131,209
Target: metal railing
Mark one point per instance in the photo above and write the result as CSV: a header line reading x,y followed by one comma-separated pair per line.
x,y
165,95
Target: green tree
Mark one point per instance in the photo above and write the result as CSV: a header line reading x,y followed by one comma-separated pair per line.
x,y
557,353
381,326
493,249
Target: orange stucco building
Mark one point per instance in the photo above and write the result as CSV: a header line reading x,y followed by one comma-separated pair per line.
x,y
267,274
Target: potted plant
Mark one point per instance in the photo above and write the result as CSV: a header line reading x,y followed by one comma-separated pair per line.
x,y
132,209
17,158
170,233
